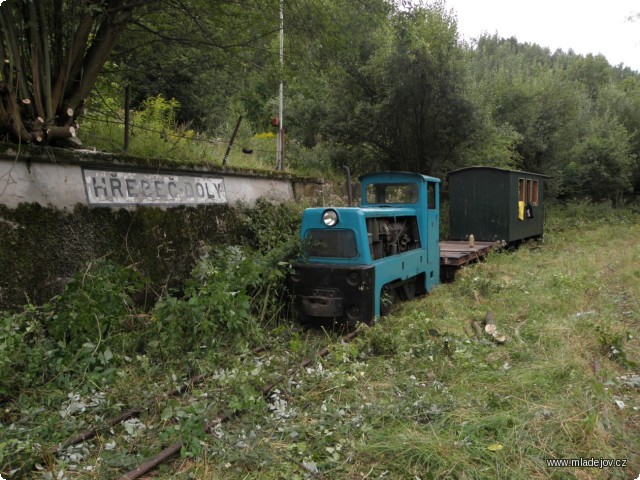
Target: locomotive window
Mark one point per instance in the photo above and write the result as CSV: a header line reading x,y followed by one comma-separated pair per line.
x,y
392,193
534,193
431,196
334,243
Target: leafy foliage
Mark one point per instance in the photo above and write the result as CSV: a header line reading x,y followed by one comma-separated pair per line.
x,y
87,340
215,300
78,332
234,290
94,305
604,154
374,84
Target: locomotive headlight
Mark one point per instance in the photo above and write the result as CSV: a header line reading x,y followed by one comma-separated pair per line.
x,y
330,218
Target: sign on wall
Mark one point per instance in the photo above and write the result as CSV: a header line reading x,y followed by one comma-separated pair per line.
x,y
111,187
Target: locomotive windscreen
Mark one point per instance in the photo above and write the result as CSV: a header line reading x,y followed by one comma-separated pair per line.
x,y
392,193
330,243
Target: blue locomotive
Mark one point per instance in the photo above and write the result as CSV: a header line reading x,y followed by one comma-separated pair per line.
x,y
358,259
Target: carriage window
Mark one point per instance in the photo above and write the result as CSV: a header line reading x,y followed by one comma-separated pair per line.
x,y
332,243
392,193
521,192
534,193
529,190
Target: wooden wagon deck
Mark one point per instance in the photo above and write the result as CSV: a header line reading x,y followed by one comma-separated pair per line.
x,y
458,253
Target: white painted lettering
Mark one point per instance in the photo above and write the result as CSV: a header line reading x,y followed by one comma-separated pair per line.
x,y
131,186
109,187
97,188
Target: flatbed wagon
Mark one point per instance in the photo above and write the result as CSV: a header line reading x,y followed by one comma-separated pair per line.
x,y
455,254
459,253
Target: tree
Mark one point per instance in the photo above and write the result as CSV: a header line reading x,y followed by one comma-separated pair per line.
x,y
407,102
218,50
530,94
603,164
52,52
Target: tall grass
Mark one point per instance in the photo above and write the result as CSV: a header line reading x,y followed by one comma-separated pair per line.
x,y
421,395
569,306
156,133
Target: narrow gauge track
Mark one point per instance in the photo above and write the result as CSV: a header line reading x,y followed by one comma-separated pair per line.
x,y
454,255
135,411
265,391
127,414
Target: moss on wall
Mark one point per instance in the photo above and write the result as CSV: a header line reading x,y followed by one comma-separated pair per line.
x,y
42,248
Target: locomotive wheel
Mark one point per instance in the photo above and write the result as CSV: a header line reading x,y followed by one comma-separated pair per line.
x,y
388,298
408,290
393,292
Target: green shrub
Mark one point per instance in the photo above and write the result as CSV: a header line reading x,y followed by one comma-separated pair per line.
x,y
232,293
215,301
75,332
24,350
95,304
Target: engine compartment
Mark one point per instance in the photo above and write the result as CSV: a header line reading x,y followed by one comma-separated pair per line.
x,y
392,235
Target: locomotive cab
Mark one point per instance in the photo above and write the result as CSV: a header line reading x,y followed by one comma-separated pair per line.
x,y
356,259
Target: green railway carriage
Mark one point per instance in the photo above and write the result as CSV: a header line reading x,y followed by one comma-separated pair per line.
x,y
495,204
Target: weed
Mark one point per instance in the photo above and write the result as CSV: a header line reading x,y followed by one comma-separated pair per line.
x,y
95,305
381,342
611,343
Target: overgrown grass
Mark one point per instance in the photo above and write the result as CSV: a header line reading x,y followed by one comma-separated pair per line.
x,y
154,133
417,396
569,307
73,361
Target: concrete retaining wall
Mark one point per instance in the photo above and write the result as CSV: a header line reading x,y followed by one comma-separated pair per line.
x,y
60,209
62,179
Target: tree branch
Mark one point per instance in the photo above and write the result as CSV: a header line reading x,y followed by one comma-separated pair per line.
x,y
15,56
71,63
201,43
36,74
80,85
46,58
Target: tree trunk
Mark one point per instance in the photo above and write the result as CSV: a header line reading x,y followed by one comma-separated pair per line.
x,y
54,132
48,68
96,57
10,118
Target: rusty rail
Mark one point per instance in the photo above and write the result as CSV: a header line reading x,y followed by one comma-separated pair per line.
x,y
179,390
174,449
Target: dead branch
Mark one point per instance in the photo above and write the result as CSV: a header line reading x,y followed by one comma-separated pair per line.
x,y
54,132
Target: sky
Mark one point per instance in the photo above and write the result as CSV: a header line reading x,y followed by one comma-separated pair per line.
x,y
585,26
